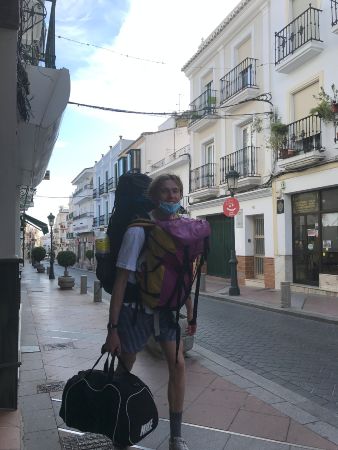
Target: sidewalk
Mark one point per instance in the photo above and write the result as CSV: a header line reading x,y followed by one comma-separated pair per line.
x,y
319,307
227,407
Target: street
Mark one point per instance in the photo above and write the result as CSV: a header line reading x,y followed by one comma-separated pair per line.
x,y
300,354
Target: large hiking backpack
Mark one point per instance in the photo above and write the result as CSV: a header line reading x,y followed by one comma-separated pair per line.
x,y
166,274
131,202
170,262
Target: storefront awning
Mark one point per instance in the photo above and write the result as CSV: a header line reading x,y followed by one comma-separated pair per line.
x,y
35,222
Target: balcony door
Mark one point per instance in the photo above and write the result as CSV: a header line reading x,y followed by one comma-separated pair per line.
x,y
245,160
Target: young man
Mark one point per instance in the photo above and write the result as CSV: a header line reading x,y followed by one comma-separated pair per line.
x,y
128,338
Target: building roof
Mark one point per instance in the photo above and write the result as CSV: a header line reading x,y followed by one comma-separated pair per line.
x,y
217,32
87,169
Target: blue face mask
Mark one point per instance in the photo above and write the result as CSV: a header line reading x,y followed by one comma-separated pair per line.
x,y
169,208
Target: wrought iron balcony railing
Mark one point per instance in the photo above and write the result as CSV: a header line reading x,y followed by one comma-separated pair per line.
x,y
182,151
244,162
111,184
302,29
102,219
241,77
203,105
35,43
94,193
303,136
103,188
203,177
334,12
95,221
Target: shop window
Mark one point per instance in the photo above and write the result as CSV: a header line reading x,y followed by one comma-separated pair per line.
x,y
330,200
330,243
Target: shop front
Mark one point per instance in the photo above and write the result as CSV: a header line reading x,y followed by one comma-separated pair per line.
x,y
315,237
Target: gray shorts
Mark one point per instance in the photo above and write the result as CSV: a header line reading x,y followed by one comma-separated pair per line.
x,y
133,337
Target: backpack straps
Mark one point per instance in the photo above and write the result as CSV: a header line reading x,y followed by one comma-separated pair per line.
x,y
202,260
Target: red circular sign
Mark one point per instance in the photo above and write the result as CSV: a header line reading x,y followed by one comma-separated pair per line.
x,y
231,207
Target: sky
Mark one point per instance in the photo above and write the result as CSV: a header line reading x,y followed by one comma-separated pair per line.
x,y
129,56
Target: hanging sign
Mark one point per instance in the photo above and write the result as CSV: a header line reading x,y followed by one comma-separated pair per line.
x,y
231,207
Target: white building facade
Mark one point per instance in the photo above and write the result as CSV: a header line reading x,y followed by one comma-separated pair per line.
x,y
83,214
306,182
266,63
105,175
227,129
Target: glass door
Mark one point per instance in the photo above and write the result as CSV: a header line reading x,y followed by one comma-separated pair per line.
x,y
306,251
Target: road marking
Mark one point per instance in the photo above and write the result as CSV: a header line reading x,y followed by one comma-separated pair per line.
x,y
244,435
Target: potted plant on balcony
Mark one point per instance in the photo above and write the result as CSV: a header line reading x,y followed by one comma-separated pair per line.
x,y
66,259
89,256
278,137
38,254
327,106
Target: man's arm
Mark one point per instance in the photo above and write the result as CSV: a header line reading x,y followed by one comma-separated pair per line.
x,y
113,340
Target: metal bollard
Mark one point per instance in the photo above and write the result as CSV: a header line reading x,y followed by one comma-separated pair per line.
x,y
97,292
83,284
285,291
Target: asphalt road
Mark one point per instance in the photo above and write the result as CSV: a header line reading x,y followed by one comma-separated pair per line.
x,y
300,354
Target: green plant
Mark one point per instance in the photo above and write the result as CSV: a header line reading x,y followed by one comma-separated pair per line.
x,y
89,255
278,133
326,104
66,259
38,253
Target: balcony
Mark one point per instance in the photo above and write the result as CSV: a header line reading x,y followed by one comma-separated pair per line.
x,y
174,159
102,219
95,193
245,163
95,222
82,194
203,182
303,144
334,16
240,83
203,110
103,188
83,223
111,184
299,41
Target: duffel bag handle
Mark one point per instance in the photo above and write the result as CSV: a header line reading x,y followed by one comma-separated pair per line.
x,y
110,368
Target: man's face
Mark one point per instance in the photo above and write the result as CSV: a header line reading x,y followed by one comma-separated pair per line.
x,y
169,192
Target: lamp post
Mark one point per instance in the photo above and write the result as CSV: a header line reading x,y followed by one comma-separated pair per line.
x,y
51,258
232,182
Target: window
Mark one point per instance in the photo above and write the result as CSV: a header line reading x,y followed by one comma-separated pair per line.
x,y
330,200
209,156
134,159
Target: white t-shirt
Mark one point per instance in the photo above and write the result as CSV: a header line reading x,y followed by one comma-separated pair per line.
x,y
132,244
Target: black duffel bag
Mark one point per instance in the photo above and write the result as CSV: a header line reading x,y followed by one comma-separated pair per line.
x,y
119,406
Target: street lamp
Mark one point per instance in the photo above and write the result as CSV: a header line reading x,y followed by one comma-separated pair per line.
x,y
232,182
51,258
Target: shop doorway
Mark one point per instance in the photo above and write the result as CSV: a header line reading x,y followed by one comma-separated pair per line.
x,y
220,242
306,249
